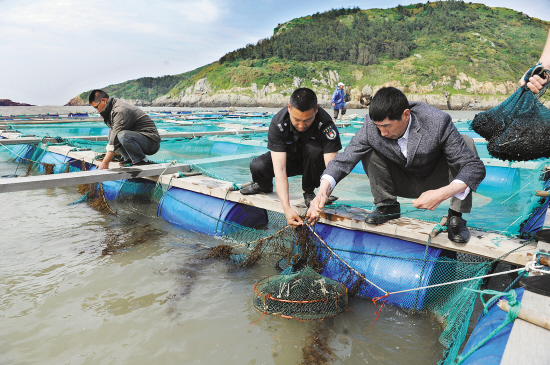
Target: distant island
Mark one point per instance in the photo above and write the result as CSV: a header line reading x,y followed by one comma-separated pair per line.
x,y
8,102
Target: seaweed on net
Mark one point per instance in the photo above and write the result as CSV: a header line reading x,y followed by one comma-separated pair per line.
x,y
48,168
100,203
317,349
222,251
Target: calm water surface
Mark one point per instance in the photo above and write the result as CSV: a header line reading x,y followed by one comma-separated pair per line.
x,y
154,301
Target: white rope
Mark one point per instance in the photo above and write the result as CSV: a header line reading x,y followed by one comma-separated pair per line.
x,y
530,266
339,258
458,281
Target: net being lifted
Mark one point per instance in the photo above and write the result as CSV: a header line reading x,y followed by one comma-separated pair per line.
x,y
517,129
304,295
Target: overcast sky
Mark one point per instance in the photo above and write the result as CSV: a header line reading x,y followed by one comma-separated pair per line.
x,y
50,51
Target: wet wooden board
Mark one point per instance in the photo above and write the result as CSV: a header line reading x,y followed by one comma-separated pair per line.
x,y
13,138
86,177
528,343
489,245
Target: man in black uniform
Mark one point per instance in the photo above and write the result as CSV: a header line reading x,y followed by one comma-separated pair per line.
x,y
302,140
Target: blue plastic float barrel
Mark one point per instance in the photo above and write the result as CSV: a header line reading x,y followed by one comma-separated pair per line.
x,y
59,161
115,189
225,148
207,214
391,263
500,181
491,352
21,151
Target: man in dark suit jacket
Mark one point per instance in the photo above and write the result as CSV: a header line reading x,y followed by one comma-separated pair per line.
x,y
411,150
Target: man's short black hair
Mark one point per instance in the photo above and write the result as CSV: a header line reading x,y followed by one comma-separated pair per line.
x,y
303,99
388,102
96,96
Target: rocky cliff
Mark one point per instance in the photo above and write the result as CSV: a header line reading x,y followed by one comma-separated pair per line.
x,y
480,95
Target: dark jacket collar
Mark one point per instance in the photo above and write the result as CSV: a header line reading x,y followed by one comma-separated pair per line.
x,y
106,112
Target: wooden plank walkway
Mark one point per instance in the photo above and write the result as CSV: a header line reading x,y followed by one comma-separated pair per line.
x,y
11,138
413,230
528,343
9,185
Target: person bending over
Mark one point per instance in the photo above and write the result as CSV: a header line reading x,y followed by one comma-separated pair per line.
x,y
131,131
302,140
412,150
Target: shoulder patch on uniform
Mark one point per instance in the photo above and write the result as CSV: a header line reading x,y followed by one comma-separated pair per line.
x,y
280,127
330,132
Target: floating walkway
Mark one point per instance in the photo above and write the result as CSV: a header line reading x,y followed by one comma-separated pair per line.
x,y
12,138
409,229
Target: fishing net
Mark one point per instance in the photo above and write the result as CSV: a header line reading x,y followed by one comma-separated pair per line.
x,y
304,295
517,129
368,265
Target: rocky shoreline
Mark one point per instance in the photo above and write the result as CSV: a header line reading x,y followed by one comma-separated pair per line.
x,y
470,94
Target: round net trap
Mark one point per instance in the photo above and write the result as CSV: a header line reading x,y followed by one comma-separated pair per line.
x,y
304,295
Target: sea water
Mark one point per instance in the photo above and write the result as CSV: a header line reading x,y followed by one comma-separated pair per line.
x,y
82,287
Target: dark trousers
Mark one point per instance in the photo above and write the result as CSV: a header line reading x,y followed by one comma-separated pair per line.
x,y
134,146
308,161
337,110
388,180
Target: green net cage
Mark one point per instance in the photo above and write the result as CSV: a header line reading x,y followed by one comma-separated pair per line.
x,y
304,295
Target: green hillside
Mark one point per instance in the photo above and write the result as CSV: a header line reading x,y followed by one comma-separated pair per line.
x,y
419,44
146,88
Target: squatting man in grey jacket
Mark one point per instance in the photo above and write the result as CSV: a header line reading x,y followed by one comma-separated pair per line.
x,y
131,131
411,150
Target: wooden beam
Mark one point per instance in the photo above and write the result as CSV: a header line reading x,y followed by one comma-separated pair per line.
x,y
412,230
528,343
11,139
8,185
52,121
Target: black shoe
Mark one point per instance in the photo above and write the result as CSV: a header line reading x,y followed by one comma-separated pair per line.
x,y
308,197
537,284
331,199
253,188
542,235
457,230
125,162
142,163
384,213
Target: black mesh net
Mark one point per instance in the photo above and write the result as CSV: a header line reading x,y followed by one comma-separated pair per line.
x,y
517,129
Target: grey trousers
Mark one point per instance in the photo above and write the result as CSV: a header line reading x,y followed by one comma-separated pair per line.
x,y
388,180
134,146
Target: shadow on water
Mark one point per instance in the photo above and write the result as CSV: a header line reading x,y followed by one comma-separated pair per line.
x,y
123,237
317,349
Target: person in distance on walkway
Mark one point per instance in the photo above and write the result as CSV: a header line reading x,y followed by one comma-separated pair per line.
x,y
338,101
131,131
